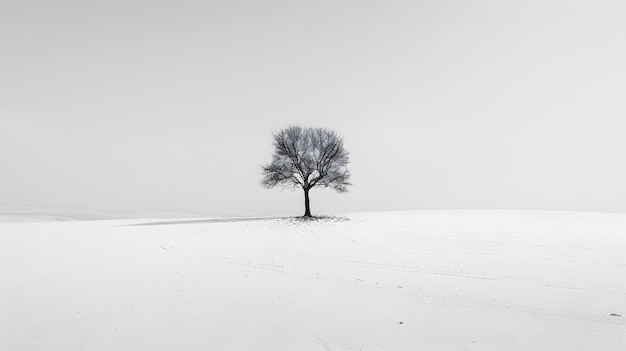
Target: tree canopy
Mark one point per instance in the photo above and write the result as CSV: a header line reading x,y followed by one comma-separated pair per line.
x,y
306,158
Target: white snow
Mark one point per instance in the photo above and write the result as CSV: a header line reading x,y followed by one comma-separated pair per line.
x,y
424,280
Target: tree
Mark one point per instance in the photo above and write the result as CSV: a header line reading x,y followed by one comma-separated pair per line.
x,y
306,158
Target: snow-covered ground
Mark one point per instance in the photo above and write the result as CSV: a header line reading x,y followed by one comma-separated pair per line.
x,y
424,280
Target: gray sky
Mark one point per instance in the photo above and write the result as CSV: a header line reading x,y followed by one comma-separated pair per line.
x,y
443,104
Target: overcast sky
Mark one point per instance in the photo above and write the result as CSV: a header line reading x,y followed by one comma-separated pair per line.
x,y
118,105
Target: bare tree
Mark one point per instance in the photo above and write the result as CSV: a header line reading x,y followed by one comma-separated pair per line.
x,y
305,158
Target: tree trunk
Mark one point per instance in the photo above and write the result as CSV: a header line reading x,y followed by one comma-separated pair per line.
x,y
307,209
